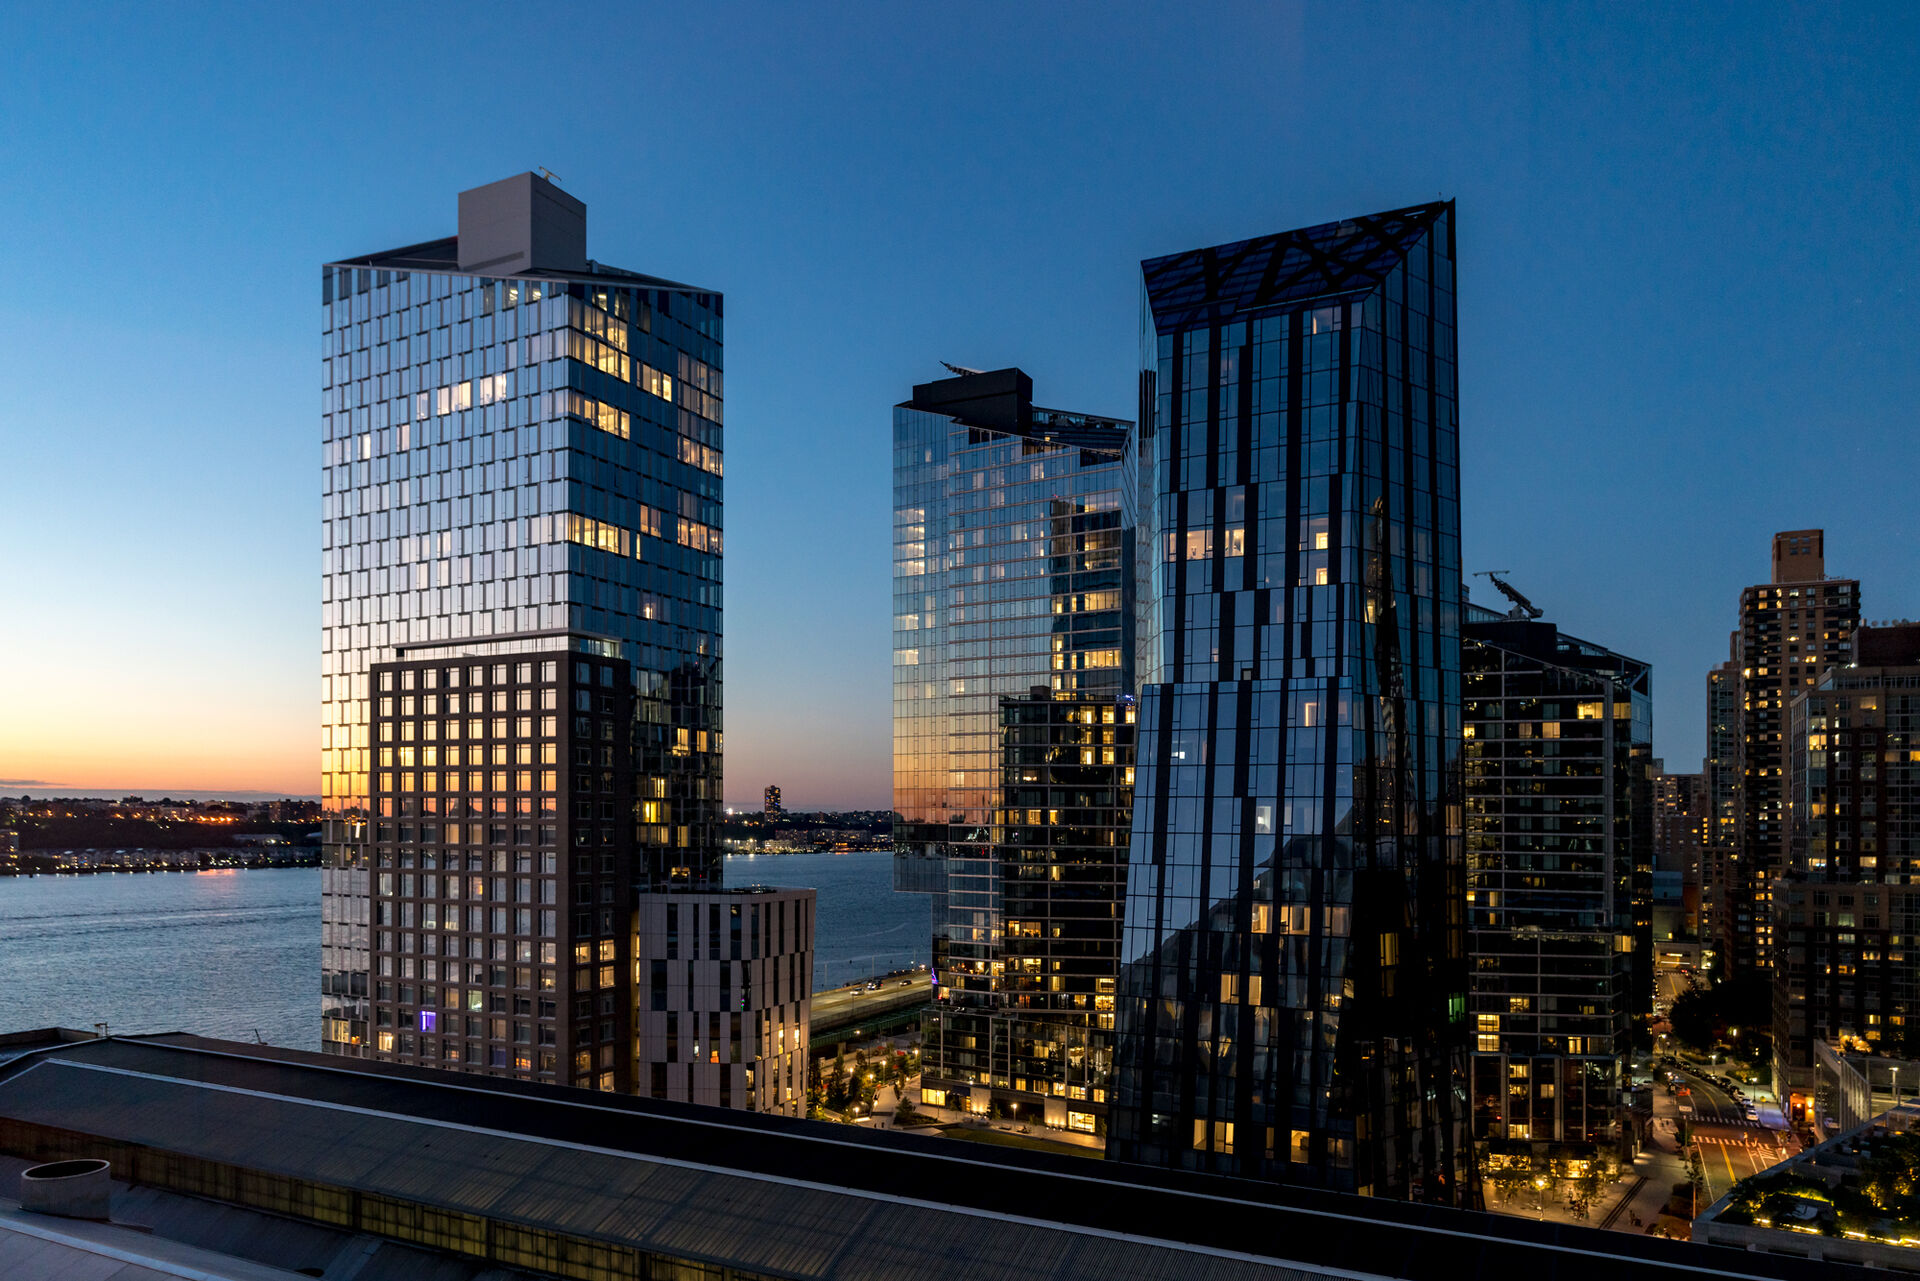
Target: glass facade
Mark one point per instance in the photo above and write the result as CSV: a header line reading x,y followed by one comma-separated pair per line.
x,y
514,465
1293,988
1559,816
1012,563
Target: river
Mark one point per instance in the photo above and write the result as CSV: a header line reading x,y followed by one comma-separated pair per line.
x,y
236,954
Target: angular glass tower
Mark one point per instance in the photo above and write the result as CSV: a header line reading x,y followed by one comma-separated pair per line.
x,y
1293,989
521,505
1012,651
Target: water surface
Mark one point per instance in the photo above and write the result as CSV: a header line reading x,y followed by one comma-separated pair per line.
x,y
236,954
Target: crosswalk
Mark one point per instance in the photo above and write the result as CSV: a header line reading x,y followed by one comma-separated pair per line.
x,y
1733,1123
1744,1143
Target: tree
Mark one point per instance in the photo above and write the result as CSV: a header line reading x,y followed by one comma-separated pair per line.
x,y
836,1082
904,1111
1592,1180
1696,1019
1509,1179
1890,1178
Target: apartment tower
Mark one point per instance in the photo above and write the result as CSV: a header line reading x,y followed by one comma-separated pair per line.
x,y
1847,911
520,639
1293,982
1792,629
1012,735
1559,853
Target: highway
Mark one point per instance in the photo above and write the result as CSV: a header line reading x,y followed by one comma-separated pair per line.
x,y
845,1007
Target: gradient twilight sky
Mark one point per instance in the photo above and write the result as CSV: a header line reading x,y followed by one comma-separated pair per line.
x,y
1688,292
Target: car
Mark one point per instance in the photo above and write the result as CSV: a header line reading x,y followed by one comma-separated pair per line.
x,y
873,985
1753,1114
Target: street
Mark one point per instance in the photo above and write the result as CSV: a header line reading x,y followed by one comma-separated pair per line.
x,y
1731,1146
845,1006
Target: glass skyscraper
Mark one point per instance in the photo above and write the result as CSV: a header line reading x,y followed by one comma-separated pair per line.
x,y
1293,984
520,686
1013,674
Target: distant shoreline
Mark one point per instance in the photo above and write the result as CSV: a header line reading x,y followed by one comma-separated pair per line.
x,y
133,869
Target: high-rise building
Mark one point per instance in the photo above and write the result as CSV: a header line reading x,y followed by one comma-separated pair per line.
x,y
1792,629
1847,917
1036,1038
520,640
1012,575
1679,819
1294,983
1719,857
1681,822
771,806
492,928
1559,839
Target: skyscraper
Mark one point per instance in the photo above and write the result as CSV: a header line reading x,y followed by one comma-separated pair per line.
x,y
1721,773
1681,819
1792,629
1847,910
520,640
1293,994
1012,733
771,802
1559,857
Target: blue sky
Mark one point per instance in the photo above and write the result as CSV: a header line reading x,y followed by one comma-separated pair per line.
x,y
1687,303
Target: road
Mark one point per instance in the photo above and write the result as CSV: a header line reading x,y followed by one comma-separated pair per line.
x,y
846,1006
1731,1147
1731,1153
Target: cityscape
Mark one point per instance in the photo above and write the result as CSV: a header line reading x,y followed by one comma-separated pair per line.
x,y
1363,762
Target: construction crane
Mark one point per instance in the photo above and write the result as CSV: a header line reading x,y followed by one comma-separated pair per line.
x,y
1523,609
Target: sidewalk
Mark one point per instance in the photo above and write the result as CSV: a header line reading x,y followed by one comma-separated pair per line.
x,y
1634,1202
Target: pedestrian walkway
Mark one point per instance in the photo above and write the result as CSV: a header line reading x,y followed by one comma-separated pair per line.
x,y
1751,1142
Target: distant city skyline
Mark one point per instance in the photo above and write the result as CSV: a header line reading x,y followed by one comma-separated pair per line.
x,y
1692,274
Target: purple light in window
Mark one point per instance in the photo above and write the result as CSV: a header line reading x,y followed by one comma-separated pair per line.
x,y
428,1020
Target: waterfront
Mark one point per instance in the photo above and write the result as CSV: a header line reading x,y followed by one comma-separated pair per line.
x,y
861,926
236,954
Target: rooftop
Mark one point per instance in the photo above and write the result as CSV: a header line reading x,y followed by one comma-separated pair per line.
x,y
1334,260
539,1177
1854,1191
1001,401
523,227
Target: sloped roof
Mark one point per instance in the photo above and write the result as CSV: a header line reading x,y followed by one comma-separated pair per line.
x,y
1333,260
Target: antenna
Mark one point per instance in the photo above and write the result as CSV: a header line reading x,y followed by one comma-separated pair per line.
x,y
1523,609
